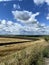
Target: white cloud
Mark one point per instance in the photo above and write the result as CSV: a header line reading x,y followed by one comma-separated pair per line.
x,y
9,23
3,22
47,1
8,0
37,2
16,6
47,17
5,0
31,25
25,16
10,27
20,0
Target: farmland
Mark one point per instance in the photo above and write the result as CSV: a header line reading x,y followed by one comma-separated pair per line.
x,y
23,50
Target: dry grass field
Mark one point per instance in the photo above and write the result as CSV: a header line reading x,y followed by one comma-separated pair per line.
x,y
14,51
14,44
6,40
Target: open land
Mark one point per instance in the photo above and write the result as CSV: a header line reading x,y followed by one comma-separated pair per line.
x,y
24,50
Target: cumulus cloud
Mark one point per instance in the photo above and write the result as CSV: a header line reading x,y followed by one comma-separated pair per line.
x,y
25,16
16,6
9,23
9,27
3,22
37,2
20,0
47,17
31,25
5,0
47,1
9,0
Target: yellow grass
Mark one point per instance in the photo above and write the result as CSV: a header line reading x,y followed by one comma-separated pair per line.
x,y
6,40
31,53
23,53
21,45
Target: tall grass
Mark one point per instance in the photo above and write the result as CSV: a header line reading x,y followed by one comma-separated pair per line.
x,y
46,52
32,55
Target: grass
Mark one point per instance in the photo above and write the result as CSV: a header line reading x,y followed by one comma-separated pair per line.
x,y
16,47
29,53
6,40
46,51
28,56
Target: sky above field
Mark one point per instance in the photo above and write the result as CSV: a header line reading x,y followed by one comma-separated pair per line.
x,y
24,17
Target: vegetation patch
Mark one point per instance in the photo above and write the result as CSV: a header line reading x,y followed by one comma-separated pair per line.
x,y
32,53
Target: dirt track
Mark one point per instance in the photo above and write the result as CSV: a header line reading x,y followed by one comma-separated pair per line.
x,y
10,47
46,61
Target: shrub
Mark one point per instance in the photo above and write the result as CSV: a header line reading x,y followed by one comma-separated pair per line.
x,y
46,52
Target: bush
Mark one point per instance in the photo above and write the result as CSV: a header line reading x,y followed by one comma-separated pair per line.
x,y
46,52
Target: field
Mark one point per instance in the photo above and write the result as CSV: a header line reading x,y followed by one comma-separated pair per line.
x,y
24,50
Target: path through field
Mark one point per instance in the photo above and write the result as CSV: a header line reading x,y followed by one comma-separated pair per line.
x,y
17,44
46,61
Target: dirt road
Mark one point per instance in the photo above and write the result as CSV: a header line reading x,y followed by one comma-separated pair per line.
x,y
46,61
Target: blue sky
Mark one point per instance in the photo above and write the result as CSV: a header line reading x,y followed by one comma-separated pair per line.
x,y
24,17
